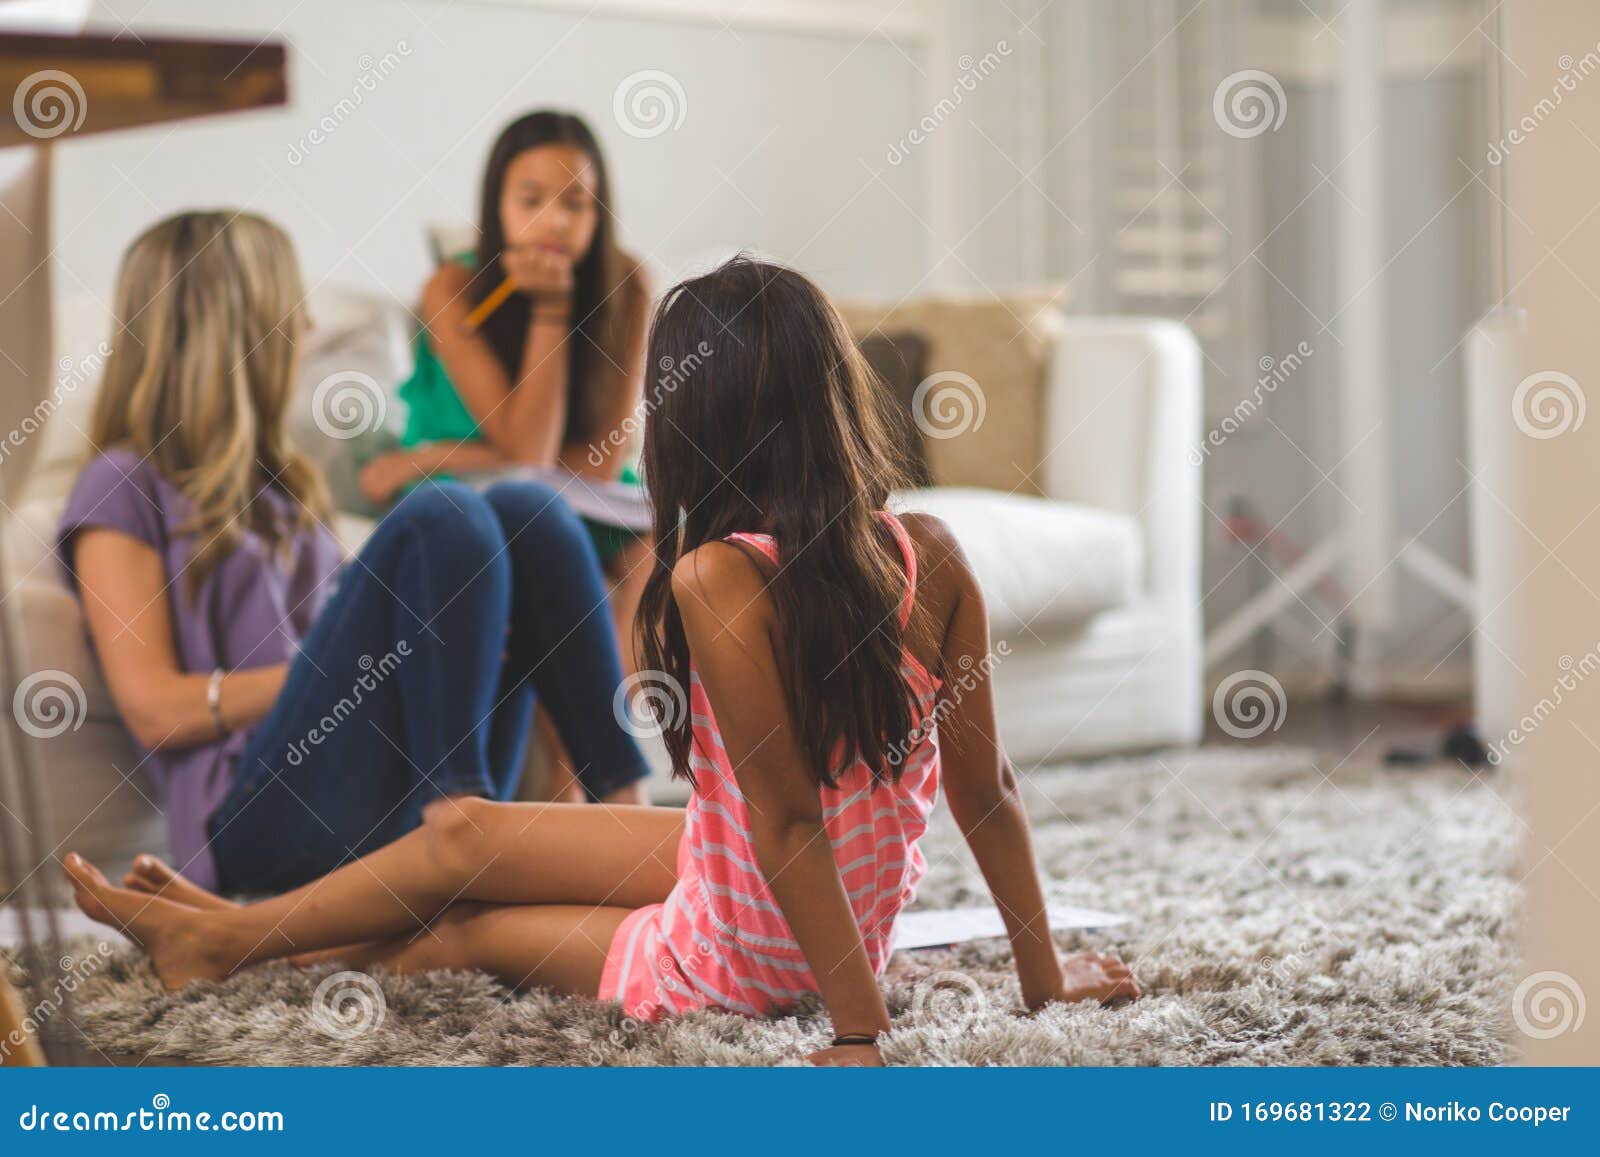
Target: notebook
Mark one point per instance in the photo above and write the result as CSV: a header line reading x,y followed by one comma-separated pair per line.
x,y
618,504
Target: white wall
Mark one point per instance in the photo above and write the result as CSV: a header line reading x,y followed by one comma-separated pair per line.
x,y
784,147
1548,628
1077,106
768,155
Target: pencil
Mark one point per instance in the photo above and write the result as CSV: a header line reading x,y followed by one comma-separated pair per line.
x,y
488,305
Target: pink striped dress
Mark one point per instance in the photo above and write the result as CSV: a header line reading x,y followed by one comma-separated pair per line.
x,y
719,939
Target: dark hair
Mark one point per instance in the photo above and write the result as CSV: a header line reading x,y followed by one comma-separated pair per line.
x,y
598,311
776,428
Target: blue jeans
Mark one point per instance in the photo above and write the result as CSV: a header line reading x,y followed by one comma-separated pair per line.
x,y
417,680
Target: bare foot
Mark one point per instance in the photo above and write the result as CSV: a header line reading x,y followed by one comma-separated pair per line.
x,y
181,945
1097,976
155,877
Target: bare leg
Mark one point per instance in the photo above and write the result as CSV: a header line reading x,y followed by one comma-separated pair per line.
x,y
467,849
1089,975
17,1030
563,786
155,877
560,946
632,794
628,571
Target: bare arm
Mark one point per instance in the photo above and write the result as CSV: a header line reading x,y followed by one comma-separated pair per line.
x,y
728,621
124,583
982,788
523,419
387,473
621,387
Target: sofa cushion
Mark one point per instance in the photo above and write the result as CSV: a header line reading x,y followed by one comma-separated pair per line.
x,y
46,610
1042,565
897,361
345,412
987,364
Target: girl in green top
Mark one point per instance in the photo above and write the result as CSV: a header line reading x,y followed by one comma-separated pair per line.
x,y
549,377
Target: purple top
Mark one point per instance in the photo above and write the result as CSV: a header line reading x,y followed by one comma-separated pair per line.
x,y
251,611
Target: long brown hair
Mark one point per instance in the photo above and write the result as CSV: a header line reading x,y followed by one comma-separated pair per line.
x,y
598,309
776,428
203,364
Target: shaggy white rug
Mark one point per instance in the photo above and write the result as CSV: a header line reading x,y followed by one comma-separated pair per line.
x,y
1282,916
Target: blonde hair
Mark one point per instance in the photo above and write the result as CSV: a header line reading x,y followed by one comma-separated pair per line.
x,y
203,364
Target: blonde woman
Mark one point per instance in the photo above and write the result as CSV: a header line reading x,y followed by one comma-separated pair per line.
x,y
292,712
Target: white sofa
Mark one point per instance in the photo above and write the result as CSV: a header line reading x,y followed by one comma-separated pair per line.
x,y
1090,567
1095,587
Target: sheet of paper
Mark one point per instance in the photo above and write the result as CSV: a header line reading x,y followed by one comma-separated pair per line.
x,y
928,929
611,503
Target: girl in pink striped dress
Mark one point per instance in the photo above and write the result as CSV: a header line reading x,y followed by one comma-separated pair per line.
x,y
720,938
818,669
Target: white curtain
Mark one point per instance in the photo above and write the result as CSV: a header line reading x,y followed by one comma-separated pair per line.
x,y
1187,158
1091,156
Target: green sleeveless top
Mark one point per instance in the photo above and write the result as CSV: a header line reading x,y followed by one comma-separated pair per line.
x,y
436,413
